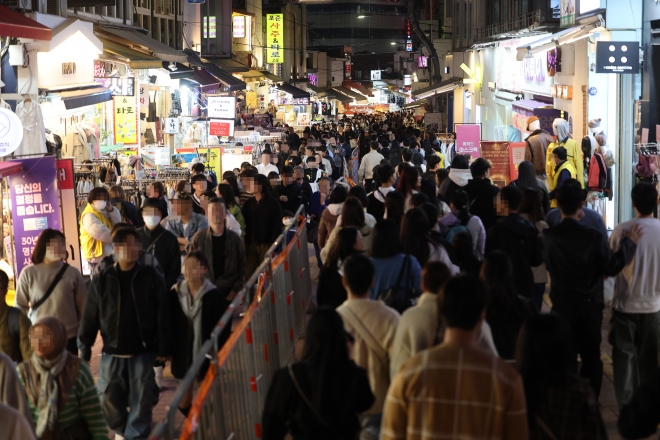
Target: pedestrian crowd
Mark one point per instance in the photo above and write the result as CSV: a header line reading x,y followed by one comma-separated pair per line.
x,y
431,286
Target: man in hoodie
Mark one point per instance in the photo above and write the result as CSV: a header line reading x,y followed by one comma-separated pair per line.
x,y
482,192
636,304
578,259
517,238
224,251
369,161
536,146
563,171
459,175
127,303
376,199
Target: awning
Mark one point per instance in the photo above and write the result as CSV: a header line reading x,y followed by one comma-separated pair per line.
x,y
81,98
530,105
506,98
14,24
562,37
226,78
332,94
414,104
131,38
317,90
442,87
135,59
9,168
252,75
272,77
205,79
361,89
295,92
178,70
229,65
350,93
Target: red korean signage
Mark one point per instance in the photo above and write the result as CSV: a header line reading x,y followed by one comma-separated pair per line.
x,y
221,128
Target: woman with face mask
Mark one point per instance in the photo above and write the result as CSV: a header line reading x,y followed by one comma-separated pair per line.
x,y
96,223
60,387
49,273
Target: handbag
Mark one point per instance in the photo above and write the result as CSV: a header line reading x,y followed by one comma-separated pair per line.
x,y
52,286
397,297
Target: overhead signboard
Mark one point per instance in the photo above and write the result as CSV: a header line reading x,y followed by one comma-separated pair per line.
x,y
223,107
617,57
239,26
275,38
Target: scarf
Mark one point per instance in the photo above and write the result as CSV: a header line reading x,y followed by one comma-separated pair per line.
x,y
48,382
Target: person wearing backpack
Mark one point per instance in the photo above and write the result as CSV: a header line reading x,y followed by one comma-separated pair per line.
x,y
459,220
15,343
482,192
50,287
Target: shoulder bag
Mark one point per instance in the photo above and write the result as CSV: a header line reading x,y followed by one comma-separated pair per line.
x,y
398,297
52,286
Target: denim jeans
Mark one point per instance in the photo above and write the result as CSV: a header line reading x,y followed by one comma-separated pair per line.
x,y
127,383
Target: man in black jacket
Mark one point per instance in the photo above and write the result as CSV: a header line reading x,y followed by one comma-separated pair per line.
x,y
482,192
160,242
127,303
290,193
578,259
517,238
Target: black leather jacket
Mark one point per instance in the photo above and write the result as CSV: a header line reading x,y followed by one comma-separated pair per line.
x,y
578,259
103,305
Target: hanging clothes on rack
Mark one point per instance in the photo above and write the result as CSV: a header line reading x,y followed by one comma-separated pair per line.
x,y
34,130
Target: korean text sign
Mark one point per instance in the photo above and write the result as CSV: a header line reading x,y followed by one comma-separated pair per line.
x,y
34,205
275,38
223,107
468,139
125,115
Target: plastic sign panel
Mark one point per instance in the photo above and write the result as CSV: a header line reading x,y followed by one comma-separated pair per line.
x,y
209,27
239,26
223,107
468,139
375,75
11,132
617,57
221,127
422,62
125,116
275,38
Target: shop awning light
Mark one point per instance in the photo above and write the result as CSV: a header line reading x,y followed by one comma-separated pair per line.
x,y
392,43
362,16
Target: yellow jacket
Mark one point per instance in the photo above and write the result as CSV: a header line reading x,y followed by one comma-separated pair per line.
x,y
91,248
573,155
553,182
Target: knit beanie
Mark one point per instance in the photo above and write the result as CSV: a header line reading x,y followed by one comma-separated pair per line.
x,y
594,123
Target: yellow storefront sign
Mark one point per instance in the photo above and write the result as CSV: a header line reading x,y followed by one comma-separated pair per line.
x,y
275,38
125,117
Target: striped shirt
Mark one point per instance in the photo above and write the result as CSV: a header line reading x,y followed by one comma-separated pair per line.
x,y
455,392
83,402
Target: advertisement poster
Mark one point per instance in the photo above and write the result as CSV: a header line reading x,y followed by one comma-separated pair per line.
x,y
34,205
497,153
125,116
223,107
221,128
567,13
516,155
303,119
275,38
468,137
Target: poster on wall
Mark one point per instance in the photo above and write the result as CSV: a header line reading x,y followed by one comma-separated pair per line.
x,y
275,38
433,122
497,153
125,116
468,137
221,127
34,205
303,119
567,13
223,107
516,156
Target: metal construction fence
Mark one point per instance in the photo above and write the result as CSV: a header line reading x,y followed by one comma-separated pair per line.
x,y
229,401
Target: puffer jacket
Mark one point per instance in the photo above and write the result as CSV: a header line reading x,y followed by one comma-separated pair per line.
x,y
102,311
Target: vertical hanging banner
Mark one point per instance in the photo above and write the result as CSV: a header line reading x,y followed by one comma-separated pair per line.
x,y
34,205
516,155
275,38
125,116
497,153
468,137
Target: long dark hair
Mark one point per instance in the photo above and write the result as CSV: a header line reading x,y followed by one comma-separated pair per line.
x,y
42,243
227,194
343,246
352,213
408,181
414,235
526,176
497,275
386,241
531,205
461,202
543,356
467,260
326,356
230,177
394,205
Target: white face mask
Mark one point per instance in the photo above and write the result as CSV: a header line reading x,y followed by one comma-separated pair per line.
x,y
151,220
287,221
99,204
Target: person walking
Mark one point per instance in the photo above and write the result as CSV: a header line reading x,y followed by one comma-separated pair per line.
x,y
290,193
461,220
564,170
50,287
373,324
60,387
128,304
530,210
482,192
417,241
159,242
459,176
184,223
577,278
442,392
225,192
408,186
376,199
96,222
367,165
527,180
14,342
319,397
636,302
331,292
129,212
331,214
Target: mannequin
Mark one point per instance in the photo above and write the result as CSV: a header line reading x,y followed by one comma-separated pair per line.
x,y
560,128
537,146
589,143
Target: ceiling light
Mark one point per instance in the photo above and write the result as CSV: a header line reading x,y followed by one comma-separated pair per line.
x,y
362,16
392,43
